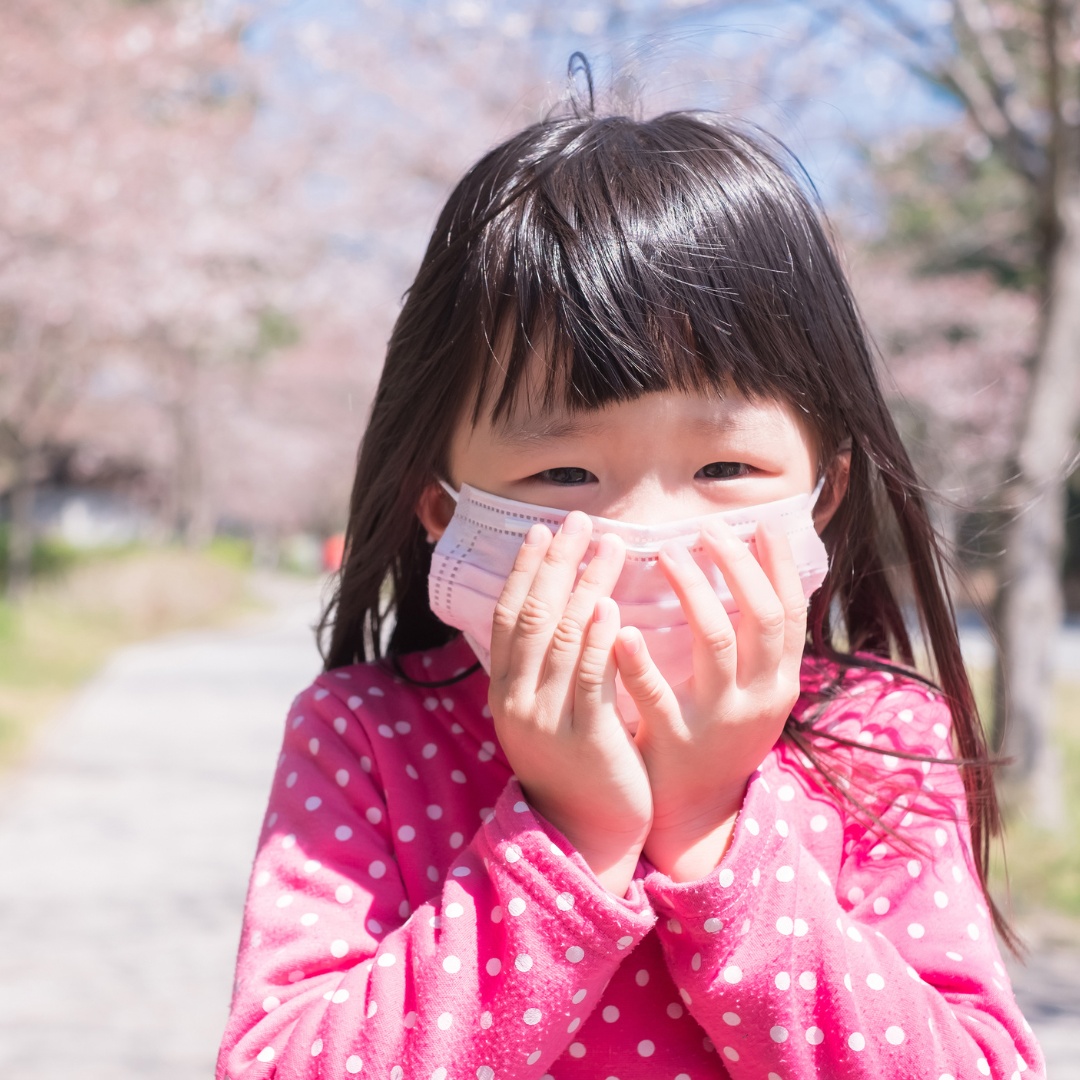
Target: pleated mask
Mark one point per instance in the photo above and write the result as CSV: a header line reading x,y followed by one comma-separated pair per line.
x,y
474,557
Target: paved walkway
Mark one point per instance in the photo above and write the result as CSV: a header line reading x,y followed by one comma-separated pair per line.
x,y
125,844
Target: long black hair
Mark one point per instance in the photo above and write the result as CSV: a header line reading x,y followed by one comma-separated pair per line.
x,y
680,252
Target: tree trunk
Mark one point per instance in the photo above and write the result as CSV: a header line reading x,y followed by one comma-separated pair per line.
x,y
1030,606
21,532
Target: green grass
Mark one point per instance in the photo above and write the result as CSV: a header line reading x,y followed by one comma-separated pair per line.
x,y
71,620
1044,867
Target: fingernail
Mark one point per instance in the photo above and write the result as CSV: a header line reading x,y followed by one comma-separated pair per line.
x,y
631,643
679,553
573,523
534,534
606,547
602,611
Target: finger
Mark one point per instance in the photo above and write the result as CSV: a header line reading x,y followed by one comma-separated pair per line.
x,y
778,562
594,687
597,581
762,617
714,643
652,694
504,621
547,595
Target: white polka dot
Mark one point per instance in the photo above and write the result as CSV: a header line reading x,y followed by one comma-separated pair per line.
x,y
732,973
266,1054
493,966
875,981
377,869
847,983
785,793
512,853
800,927
785,873
533,1058
403,727
309,919
575,954
284,901
778,1034
808,980
516,906
579,996
521,807
316,1048
290,840
881,905
815,1036
456,840
270,1003
983,1066
411,773
339,948
434,812
752,826
610,1014
973,932
695,961
879,851
856,1041
726,877
755,877
406,833
914,867
290,779
905,716
731,1053
311,866
713,926
444,1021
916,930
485,1020
365,763
674,926
856,895
646,1048
343,832
564,901
957,874
954,956
458,776
818,823
782,827
496,914
431,703
386,959
784,925
895,1035
353,1064
523,962
461,871
642,977
532,1016
576,1049
941,899
451,965
341,995
624,941
782,980
685,995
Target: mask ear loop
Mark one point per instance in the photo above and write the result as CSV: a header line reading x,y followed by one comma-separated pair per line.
x,y
456,496
814,495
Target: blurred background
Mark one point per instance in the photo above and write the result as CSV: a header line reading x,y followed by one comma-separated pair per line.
x,y
209,211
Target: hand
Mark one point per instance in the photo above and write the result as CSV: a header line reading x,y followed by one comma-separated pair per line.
x,y
552,697
702,740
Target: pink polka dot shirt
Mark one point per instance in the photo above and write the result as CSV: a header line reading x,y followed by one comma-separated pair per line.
x,y
410,917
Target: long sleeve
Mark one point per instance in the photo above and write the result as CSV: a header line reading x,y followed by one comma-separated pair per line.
x,y
341,973
824,946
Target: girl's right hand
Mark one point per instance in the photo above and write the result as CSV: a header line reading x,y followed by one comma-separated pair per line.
x,y
552,697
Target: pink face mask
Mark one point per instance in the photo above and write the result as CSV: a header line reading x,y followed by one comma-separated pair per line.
x,y
476,553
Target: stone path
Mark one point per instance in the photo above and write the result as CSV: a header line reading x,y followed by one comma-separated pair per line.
x,y
125,844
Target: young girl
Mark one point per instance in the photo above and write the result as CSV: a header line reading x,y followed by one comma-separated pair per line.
x,y
591,791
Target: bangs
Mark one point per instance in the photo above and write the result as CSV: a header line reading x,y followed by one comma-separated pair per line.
x,y
634,257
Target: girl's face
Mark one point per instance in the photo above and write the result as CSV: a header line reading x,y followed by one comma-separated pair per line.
x,y
665,456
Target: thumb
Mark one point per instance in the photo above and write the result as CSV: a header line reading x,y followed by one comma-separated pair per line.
x,y
652,695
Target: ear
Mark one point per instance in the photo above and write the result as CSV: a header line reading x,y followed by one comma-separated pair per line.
x,y
434,509
834,489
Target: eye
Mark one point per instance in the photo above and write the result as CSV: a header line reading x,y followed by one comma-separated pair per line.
x,y
567,476
722,470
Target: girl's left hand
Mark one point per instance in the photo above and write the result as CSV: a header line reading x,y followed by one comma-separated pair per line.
x,y
702,740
